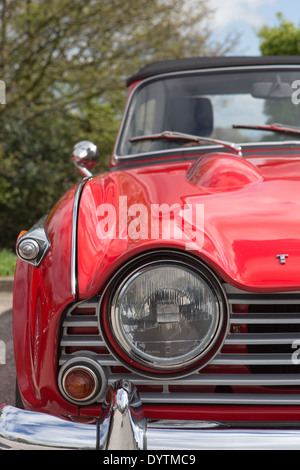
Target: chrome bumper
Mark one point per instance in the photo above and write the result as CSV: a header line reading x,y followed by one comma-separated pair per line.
x,y
123,426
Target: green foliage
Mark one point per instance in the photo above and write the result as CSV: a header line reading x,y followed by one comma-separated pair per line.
x,y
7,263
283,39
64,63
32,174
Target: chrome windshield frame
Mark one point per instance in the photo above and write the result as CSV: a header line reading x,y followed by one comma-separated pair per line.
x,y
117,159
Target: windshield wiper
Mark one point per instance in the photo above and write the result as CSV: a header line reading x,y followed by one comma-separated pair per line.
x,y
169,135
282,128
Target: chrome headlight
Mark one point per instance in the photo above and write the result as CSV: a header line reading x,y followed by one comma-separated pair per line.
x,y
167,315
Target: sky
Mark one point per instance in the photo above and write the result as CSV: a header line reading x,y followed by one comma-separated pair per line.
x,y
246,16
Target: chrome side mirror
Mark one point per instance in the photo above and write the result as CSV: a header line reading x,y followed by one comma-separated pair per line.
x,y
85,156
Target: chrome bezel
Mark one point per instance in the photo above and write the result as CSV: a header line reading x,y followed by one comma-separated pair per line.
x,y
91,366
123,340
39,236
128,356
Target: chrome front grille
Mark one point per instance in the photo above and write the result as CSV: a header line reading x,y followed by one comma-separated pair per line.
x,y
255,365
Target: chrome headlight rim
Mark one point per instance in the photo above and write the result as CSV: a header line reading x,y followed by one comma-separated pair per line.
x,y
129,358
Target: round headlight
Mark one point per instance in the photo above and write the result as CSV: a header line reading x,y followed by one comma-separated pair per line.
x,y
167,316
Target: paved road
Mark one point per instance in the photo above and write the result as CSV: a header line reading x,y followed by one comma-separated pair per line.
x,y
7,370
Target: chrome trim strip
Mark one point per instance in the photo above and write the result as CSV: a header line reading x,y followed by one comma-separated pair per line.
x,y
237,399
81,340
76,202
81,320
262,338
253,359
214,379
265,318
105,360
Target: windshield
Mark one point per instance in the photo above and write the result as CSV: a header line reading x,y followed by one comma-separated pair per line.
x,y
209,105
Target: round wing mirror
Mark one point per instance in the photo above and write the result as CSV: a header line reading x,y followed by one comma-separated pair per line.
x,y
85,156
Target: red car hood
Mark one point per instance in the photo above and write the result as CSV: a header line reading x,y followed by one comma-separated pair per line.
x,y
247,214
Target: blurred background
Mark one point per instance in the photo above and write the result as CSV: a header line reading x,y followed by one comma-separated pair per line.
x,y
65,63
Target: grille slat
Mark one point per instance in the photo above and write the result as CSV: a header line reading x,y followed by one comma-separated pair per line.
x,y
84,320
264,318
252,359
106,360
264,299
224,398
255,365
82,340
258,338
217,379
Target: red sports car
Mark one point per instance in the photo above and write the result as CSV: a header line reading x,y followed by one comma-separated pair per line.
x,y
157,305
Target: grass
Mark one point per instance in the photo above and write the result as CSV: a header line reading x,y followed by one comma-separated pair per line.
x,y
7,262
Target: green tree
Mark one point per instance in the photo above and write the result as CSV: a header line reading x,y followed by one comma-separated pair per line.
x,y
283,39
64,63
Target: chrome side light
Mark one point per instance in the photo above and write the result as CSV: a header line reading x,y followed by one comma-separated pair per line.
x,y
33,245
28,249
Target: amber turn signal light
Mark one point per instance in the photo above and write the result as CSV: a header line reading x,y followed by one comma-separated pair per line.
x,y
82,380
23,232
80,383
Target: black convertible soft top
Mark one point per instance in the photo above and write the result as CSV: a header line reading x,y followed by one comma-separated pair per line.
x,y
176,65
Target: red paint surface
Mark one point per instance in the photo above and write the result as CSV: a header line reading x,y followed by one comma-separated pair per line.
x,y
246,225
251,215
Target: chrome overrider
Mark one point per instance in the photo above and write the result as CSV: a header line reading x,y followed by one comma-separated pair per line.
x,y
123,426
